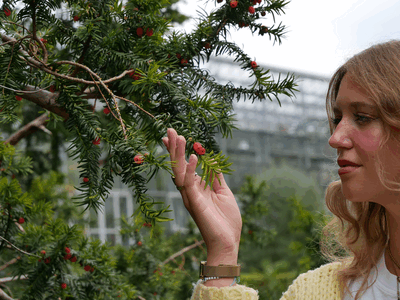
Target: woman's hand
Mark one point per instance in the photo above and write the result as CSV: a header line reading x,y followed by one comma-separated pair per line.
x,y
215,212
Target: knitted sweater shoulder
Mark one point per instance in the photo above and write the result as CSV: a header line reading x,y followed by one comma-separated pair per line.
x,y
317,284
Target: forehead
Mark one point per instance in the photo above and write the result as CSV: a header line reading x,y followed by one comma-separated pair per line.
x,y
352,96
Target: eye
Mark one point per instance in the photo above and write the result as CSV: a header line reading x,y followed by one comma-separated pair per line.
x,y
360,119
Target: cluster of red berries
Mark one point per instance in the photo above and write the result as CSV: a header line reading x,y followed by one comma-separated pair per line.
x,y
44,41
199,148
67,256
140,31
7,11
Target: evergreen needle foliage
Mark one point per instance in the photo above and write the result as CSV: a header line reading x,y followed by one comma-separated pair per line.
x,y
109,77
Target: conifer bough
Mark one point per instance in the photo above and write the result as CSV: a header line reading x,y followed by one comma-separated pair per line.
x,y
119,76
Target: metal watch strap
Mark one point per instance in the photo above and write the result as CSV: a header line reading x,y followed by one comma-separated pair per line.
x,y
219,271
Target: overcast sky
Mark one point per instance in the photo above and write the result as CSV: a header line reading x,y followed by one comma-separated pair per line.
x,y
321,34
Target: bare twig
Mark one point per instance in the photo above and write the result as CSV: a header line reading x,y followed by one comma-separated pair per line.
x,y
9,22
33,126
146,112
8,279
4,296
13,261
112,95
15,247
24,92
182,251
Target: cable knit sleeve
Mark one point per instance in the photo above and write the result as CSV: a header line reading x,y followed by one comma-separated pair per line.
x,y
237,292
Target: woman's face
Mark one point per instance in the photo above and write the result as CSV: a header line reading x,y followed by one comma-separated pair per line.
x,y
356,137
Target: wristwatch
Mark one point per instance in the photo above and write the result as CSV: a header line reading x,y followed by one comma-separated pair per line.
x,y
219,271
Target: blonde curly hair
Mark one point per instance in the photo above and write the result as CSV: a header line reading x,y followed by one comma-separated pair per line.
x,y
358,233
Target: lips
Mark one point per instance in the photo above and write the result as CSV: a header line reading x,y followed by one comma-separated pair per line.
x,y
347,163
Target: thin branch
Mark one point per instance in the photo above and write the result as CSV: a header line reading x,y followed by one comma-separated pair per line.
x,y
24,92
38,65
4,296
122,98
8,279
15,247
182,251
13,261
29,128
9,22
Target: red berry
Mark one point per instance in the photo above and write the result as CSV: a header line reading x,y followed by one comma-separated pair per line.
x,y
184,61
67,250
207,45
76,18
138,159
254,2
250,232
92,269
52,88
39,260
19,98
106,111
233,3
252,10
21,220
258,1
96,141
149,32
178,55
264,29
68,256
85,179
87,268
139,31
139,243
74,259
63,286
253,64
173,272
47,260
197,146
44,41
7,11
43,252
201,151
263,13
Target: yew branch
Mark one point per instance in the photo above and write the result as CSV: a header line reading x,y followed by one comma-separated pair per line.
x,y
13,261
198,243
29,128
4,296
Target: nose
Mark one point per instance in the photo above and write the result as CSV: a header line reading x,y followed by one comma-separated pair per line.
x,y
340,138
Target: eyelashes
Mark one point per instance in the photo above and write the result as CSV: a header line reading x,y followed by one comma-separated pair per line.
x,y
360,119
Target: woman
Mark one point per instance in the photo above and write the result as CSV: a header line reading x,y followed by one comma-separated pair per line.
x,y
363,107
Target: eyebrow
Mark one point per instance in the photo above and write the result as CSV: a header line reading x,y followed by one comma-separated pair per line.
x,y
356,105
